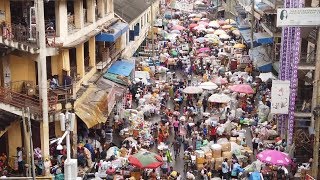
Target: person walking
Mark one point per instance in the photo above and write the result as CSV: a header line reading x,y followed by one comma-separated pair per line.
x,y
225,169
20,161
255,144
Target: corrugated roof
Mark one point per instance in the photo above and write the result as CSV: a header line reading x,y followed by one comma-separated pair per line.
x,y
130,9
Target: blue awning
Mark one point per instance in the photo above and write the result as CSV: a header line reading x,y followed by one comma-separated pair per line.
x,y
116,31
123,68
263,38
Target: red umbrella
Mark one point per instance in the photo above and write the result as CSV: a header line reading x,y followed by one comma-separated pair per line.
x,y
242,88
178,27
146,160
193,25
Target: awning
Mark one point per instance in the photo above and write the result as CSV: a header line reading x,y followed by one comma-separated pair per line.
x,y
6,120
263,8
261,58
89,35
113,33
246,36
123,68
263,38
96,103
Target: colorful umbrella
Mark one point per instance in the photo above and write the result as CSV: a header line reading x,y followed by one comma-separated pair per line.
x,y
214,24
221,22
242,88
202,55
178,27
201,39
219,32
210,31
146,159
219,98
220,80
192,90
175,32
230,21
201,50
196,19
200,28
239,46
274,157
226,27
236,32
193,25
208,86
203,23
212,36
224,36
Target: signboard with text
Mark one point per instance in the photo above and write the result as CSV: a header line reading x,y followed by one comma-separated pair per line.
x,y
298,17
280,92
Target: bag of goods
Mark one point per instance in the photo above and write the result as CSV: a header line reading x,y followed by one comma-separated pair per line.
x,y
239,139
199,167
216,150
233,139
200,160
205,149
226,147
222,140
227,155
218,163
220,130
199,153
208,156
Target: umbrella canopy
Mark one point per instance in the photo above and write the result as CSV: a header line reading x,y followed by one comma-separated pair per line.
x,y
178,27
146,159
236,32
239,46
203,50
202,55
226,27
274,157
221,22
219,98
192,90
210,31
212,36
201,39
219,32
193,25
208,86
214,24
200,28
230,21
203,23
196,19
242,88
192,15
175,32
220,80
224,36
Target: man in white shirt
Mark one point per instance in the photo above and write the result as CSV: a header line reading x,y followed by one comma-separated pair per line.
x,y
225,169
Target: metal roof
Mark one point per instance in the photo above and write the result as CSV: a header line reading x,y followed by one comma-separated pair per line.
x,y
130,9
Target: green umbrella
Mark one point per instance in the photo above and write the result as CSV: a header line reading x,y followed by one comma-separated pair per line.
x,y
146,159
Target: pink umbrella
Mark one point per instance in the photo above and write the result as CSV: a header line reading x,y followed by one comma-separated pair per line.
x,y
274,157
201,50
242,88
220,80
178,27
202,55
203,23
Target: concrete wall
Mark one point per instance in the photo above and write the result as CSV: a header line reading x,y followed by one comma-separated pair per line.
x,y
22,68
14,138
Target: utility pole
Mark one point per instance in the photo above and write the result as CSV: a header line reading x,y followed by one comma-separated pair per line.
x,y
316,110
26,139
42,76
31,146
252,23
152,32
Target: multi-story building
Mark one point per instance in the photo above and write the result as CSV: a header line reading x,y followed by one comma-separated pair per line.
x,y
81,38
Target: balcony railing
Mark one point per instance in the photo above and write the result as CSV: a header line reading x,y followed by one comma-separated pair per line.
x,y
19,33
19,100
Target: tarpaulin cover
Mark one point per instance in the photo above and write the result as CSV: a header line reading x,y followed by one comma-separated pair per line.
x,y
123,68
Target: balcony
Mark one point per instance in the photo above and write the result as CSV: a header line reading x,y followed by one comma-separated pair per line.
x,y
307,61
271,28
274,3
20,101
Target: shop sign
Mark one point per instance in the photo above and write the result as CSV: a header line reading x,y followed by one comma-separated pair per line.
x,y
298,17
280,92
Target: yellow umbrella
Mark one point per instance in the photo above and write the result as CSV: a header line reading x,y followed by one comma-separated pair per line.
x,y
219,32
226,27
230,21
239,46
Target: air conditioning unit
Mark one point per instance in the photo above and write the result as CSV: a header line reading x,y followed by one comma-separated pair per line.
x,y
70,169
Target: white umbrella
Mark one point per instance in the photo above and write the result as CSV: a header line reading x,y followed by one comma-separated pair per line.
x,y
219,98
176,32
192,90
224,36
214,24
182,118
192,15
208,85
219,32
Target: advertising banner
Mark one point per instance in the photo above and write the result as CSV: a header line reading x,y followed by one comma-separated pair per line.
x,y
280,92
298,17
